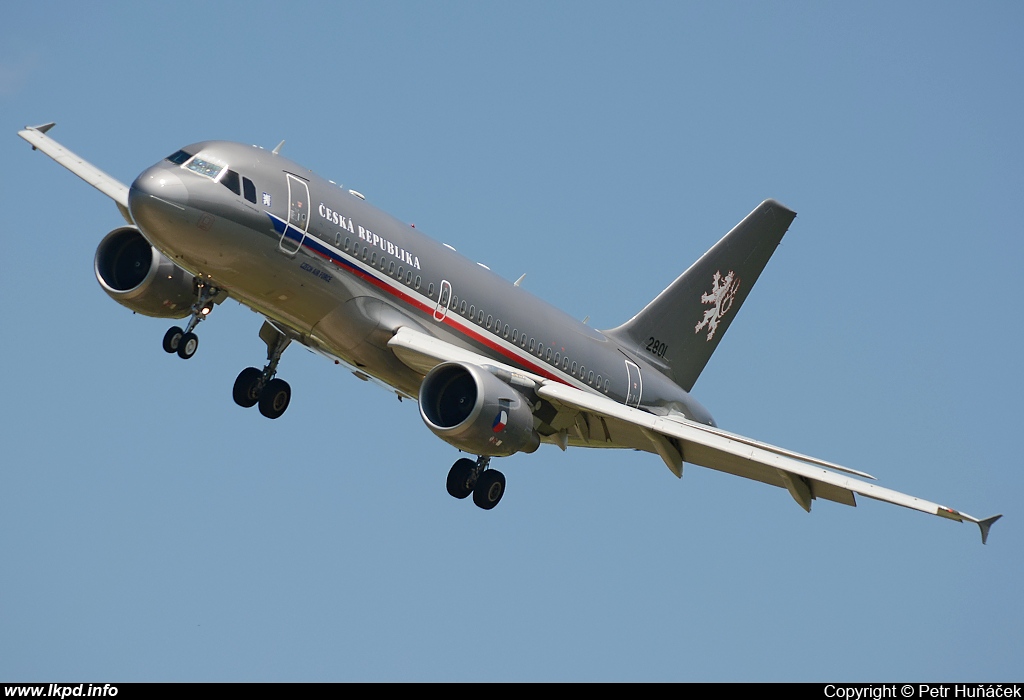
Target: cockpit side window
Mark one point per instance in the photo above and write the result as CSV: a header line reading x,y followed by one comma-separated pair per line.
x,y
250,189
179,157
230,180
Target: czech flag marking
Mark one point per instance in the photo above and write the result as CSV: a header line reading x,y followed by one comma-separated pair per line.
x,y
500,421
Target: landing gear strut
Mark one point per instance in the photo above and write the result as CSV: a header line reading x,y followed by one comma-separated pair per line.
x,y
185,342
469,477
254,386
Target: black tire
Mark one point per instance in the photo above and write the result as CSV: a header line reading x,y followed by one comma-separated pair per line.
x,y
172,338
275,398
246,391
188,345
461,479
490,487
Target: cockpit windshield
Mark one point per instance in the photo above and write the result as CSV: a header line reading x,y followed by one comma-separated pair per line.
x,y
216,172
205,167
179,157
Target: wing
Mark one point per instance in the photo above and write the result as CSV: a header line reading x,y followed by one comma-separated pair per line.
x,y
594,420
116,190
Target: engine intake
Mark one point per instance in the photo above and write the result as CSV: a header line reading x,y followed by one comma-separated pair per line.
x,y
136,275
470,408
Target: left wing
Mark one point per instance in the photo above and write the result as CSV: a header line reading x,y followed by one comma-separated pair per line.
x,y
113,188
597,421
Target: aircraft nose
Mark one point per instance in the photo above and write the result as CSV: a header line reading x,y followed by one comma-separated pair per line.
x,y
156,186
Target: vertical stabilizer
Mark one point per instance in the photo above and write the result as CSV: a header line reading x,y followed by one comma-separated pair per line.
x,y
680,329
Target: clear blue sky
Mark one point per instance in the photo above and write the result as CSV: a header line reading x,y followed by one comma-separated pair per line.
x,y
152,530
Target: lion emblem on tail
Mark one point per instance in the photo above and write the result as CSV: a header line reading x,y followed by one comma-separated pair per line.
x,y
722,294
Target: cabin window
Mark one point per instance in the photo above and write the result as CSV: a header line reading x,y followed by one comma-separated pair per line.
x,y
583,371
515,335
462,309
373,259
455,301
408,277
574,368
472,311
558,357
565,362
391,268
489,319
346,244
599,380
606,383
401,271
540,349
231,181
364,252
548,355
506,330
590,377
337,239
443,301
382,261
417,282
430,289
532,344
249,189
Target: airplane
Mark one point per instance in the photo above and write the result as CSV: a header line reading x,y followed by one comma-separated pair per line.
x,y
495,370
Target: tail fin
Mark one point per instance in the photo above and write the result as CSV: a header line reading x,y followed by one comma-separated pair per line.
x,y
680,329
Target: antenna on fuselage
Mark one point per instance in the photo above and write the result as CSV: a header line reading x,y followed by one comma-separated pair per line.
x,y
277,150
520,280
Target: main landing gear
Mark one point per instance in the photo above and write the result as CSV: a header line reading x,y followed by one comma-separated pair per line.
x,y
469,477
185,342
254,386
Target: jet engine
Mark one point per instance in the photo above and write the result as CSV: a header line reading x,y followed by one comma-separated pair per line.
x,y
470,408
135,274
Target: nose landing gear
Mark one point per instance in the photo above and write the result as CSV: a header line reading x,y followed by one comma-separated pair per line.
x,y
254,386
185,342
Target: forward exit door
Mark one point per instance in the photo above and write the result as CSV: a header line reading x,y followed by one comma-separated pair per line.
x,y
298,215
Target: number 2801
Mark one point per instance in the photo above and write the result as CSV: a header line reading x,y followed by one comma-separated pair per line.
x,y
656,347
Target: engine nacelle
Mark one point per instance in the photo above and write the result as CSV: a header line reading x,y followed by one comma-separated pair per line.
x,y
137,275
470,408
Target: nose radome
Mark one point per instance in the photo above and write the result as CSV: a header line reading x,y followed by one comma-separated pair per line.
x,y
158,183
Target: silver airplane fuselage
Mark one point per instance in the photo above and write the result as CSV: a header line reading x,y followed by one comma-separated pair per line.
x,y
341,276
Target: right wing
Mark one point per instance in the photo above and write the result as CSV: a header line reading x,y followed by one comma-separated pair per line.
x,y
116,190
677,439
592,420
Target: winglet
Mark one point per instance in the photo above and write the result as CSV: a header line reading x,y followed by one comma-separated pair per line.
x,y
985,525
42,129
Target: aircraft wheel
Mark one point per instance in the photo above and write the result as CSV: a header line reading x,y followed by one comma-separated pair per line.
x,y
461,478
187,345
275,398
490,487
172,338
246,391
